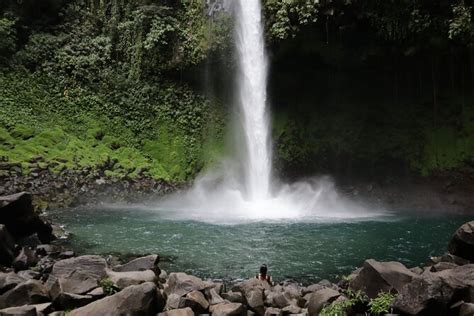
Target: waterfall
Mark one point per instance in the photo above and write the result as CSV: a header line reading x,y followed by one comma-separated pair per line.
x,y
252,96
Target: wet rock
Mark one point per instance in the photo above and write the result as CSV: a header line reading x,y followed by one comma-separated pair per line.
x,y
178,312
320,298
134,300
19,311
124,279
9,280
18,215
228,309
140,264
375,277
7,246
431,293
462,243
182,283
29,292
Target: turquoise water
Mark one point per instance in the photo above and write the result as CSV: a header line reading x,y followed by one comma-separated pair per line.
x,y
304,251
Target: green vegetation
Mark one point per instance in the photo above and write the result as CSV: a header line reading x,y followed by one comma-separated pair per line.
x,y
381,304
108,286
342,307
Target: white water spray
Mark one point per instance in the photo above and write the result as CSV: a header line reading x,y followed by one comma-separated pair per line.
x,y
225,195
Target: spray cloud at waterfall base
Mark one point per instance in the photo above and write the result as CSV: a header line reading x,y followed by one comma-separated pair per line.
x,y
244,189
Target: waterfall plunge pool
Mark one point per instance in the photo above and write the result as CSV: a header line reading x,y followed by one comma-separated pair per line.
x,y
302,250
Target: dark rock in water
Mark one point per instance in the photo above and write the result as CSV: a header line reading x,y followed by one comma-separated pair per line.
x,y
9,280
134,300
27,310
7,246
17,213
124,279
140,264
320,298
27,258
178,312
29,292
375,277
433,293
182,283
228,309
462,243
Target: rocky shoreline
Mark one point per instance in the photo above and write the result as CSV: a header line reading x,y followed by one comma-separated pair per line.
x,y
41,277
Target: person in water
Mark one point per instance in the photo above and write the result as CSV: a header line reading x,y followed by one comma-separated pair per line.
x,y
263,274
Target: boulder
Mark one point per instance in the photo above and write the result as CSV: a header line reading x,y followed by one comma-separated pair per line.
x,y
125,279
443,266
272,311
26,310
213,297
182,283
462,243
7,246
466,309
18,215
376,277
140,264
432,293
196,301
69,301
47,249
252,291
321,298
29,274
178,312
29,292
70,273
234,297
281,300
291,309
44,308
9,280
453,259
228,309
25,259
134,300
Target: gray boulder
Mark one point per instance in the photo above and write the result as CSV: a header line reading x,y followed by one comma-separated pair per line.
x,y
140,264
321,298
25,259
213,297
443,266
125,279
7,246
466,309
228,309
272,311
234,297
76,282
9,280
69,301
94,266
462,243
134,300
196,301
26,310
182,283
253,291
178,312
375,277
433,293
29,274
29,292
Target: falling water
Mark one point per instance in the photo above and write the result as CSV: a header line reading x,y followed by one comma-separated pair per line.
x,y
252,95
225,194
